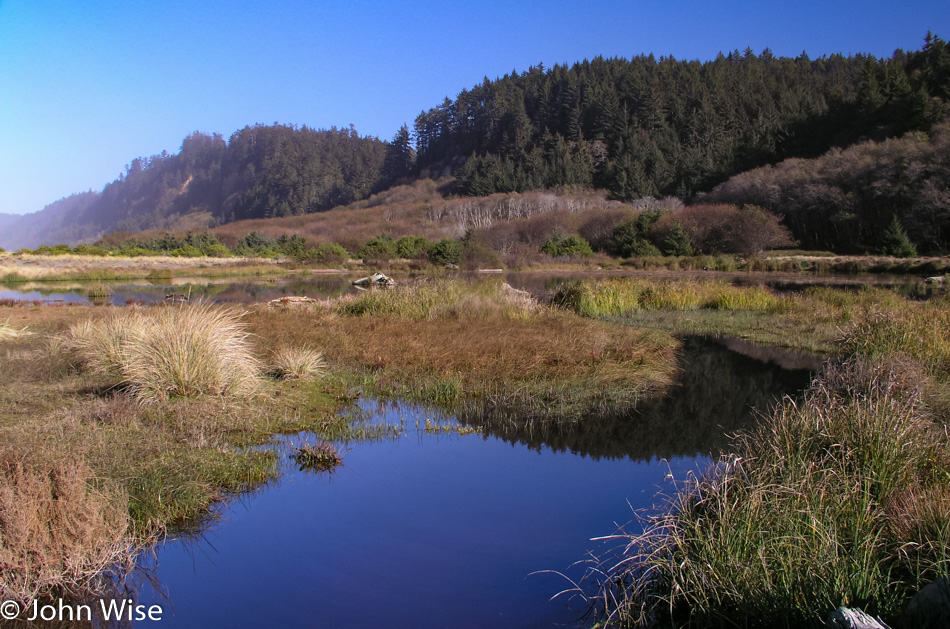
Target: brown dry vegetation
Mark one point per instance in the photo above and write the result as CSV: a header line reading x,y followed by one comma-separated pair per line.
x,y
42,267
419,209
436,343
87,473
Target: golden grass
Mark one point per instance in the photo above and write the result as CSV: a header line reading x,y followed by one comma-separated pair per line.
x,y
297,363
450,343
184,350
25,267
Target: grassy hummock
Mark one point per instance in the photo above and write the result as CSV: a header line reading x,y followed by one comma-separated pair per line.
x,y
457,346
842,498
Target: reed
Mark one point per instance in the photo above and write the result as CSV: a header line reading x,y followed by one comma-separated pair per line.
x,y
809,513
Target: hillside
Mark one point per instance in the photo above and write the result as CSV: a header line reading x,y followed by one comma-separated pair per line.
x,y
634,128
845,199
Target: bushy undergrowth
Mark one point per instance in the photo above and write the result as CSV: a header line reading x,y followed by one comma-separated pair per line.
x,y
185,350
56,529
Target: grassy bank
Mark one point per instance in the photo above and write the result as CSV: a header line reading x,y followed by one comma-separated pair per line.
x,y
839,499
16,269
487,345
812,319
117,425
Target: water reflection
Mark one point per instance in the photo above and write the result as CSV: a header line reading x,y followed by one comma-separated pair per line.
x,y
539,283
437,529
723,387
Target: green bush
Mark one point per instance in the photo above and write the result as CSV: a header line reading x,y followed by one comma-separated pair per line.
x,y
446,251
412,247
89,250
187,252
556,246
329,253
216,251
382,247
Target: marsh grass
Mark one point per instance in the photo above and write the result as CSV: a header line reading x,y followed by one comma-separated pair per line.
x,y
297,363
320,456
183,350
487,345
839,499
624,296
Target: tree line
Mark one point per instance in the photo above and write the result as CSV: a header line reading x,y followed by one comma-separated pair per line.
x,y
648,127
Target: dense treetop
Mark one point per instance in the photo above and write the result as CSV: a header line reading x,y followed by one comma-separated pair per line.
x,y
648,127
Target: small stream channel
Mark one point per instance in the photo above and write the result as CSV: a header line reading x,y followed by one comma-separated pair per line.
x,y
449,530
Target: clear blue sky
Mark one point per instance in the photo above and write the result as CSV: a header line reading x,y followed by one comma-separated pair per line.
x,y
86,86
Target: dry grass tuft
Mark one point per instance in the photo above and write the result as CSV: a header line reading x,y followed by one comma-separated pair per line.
x,y
183,350
297,363
8,331
56,529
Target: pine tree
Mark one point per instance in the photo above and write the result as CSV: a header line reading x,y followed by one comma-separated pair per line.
x,y
895,241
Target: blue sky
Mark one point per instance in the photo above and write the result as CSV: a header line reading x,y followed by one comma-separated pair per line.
x,y
86,86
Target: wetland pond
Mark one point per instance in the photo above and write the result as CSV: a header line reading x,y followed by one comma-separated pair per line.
x,y
442,529
324,285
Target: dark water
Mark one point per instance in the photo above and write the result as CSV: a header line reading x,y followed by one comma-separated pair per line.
x,y
446,530
255,290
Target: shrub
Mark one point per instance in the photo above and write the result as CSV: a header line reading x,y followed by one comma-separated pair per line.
x,y
412,247
727,229
379,248
329,253
556,246
446,251
57,528
630,238
90,250
216,250
187,251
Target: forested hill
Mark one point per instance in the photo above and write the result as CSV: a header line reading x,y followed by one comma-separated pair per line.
x,y
633,127
261,171
643,127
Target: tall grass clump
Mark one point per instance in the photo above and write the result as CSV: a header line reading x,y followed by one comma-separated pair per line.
x,y
185,350
814,510
297,363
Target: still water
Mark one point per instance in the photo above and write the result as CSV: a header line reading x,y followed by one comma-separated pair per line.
x,y
539,283
454,530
